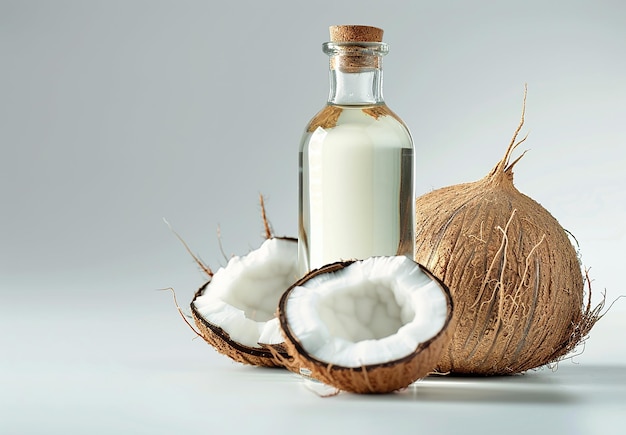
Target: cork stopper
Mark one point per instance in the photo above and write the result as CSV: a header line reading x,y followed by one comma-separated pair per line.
x,y
355,58
355,33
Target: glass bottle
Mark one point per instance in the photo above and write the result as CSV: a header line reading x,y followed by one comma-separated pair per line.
x,y
356,193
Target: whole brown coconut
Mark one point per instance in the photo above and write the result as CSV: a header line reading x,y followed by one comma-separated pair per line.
x,y
514,275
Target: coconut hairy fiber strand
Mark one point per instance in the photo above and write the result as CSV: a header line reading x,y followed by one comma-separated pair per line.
x,y
514,275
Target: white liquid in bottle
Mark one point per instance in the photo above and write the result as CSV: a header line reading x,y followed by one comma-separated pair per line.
x,y
357,187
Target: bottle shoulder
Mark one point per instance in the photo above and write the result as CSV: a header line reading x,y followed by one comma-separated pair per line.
x,y
371,123
332,116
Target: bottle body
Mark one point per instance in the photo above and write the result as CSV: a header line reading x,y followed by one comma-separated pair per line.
x,y
356,195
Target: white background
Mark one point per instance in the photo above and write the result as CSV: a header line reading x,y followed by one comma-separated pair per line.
x,y
117,114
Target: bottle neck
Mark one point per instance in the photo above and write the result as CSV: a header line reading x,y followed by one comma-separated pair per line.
x,y
356,88
356,75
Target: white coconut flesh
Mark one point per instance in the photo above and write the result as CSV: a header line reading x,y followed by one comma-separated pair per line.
x,y
371,312
242,297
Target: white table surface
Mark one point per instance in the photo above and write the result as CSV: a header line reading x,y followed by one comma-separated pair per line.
x,y
131,366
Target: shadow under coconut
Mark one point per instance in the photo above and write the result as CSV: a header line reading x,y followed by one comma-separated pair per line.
x,y
566,384
529,388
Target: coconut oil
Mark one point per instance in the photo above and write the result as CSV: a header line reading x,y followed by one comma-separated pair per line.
x,y
356,162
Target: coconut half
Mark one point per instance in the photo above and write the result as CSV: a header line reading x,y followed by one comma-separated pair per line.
x,y
369,326
237,306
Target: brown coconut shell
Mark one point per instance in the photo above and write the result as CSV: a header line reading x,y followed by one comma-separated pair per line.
x,y
513,272
378,378
221,341
266,355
